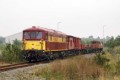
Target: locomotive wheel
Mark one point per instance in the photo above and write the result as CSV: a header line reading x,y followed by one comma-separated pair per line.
x,y
61,55
29,60
51,57
46,57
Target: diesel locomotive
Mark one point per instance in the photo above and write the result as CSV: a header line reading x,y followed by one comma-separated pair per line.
x,y
40,43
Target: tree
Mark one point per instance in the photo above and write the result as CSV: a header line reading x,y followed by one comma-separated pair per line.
x,y
117,41
12,52
110,43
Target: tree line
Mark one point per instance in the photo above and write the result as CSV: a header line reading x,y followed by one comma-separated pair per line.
x,y
113,42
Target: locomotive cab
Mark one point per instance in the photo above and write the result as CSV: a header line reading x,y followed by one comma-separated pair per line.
x,y
33,43
33,40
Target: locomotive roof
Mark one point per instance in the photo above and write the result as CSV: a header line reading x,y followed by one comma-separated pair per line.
x,y
73,36
95,41
50,31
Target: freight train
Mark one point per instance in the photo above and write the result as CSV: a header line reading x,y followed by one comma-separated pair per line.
x,y
40,43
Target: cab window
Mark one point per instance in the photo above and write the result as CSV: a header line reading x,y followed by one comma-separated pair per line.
x,y
38,35
32,35
26,35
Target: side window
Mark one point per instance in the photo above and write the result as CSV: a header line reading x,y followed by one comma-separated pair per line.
x,y
62,39
50,37
56,39
46,36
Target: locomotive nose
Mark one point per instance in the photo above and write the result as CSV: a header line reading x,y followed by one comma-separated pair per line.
x,y
36,45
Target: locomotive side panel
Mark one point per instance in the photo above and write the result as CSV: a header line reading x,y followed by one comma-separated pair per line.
x,y
55,46
77,43
56,42
71,44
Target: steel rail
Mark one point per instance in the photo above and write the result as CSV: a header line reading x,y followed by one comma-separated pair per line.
x,y
15,66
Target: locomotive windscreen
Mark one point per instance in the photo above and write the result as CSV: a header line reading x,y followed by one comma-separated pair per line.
x,y
32,35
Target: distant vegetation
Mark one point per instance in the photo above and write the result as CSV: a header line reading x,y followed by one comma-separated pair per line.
x,y
89,39
113,42
2,40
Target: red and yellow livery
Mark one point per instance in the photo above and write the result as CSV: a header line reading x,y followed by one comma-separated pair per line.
x,y
41,43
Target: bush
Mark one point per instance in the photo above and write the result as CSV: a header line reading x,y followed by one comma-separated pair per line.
x,y
118,67
12,52
101,60
109,62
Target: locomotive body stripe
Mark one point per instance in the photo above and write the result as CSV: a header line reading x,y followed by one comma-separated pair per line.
x,y
55,50
56,39
44,45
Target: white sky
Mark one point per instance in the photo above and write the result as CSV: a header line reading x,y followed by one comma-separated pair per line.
x,y
78,17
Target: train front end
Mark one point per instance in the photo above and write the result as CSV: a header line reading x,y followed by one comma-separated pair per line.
x,y
33,44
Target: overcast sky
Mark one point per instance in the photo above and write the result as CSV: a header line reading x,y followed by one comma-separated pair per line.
x,y
78,17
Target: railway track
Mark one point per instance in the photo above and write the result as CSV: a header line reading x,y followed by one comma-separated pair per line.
x,y
15,66
26,64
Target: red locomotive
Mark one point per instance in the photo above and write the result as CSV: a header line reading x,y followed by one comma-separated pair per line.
x,y
42,43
